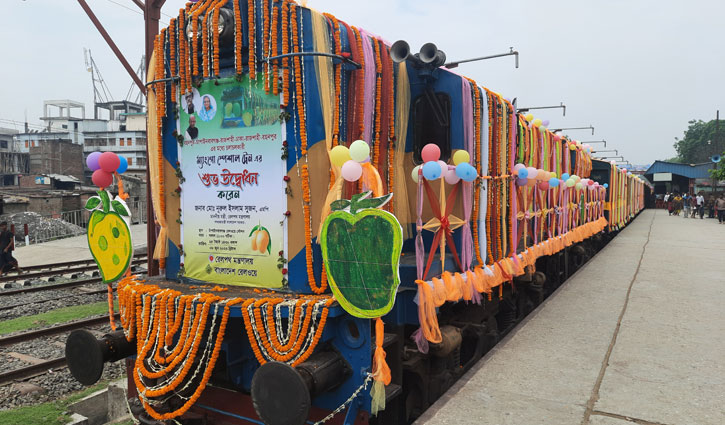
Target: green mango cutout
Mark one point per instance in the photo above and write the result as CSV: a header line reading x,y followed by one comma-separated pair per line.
x,y
361,252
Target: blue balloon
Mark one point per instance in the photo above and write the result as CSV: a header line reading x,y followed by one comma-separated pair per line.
x,y
466,172
523,173
565,176
123,166
606,185
432,170
553,182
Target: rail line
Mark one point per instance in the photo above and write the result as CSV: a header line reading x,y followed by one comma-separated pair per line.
x,y
47,365
61,271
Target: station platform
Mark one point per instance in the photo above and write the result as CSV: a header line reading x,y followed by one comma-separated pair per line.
x,y
635,336
69,249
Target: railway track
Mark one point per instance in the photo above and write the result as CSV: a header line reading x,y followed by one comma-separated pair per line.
x,y
47,365
61,269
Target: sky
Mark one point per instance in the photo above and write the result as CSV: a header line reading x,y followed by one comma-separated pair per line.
x,y
637,70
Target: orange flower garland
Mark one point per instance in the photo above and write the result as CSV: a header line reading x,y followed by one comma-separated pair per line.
x,y
275,49
378,103
252,61
238,36
182,51
361,85
215,34
265,41
308,236
285,50
172,55
205,45
391,128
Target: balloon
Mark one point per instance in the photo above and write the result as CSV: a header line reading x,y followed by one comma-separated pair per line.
x,y
590,182
517,167
579,186
351,171
444,167
576,178
553,175
466,172
123,166
430,152
537,122
432,170
102,178
557,137
532,172
624,170
92,161
109,162
565,176
544,185
461,156
570,182
606,185
359,150
531,183
613,162
414,173
572,146
553,182
542,175
339,155
451,177
523,173
529,117
545,123
522,182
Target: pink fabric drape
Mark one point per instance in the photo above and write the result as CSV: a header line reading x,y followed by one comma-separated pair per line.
x,y
468,134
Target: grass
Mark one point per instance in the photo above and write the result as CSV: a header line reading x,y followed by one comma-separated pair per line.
x,y
50,413
53,317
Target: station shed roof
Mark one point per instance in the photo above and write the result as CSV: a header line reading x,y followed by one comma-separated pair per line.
x,y
691,171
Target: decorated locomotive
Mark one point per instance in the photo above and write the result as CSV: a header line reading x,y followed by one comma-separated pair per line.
x,y
344,228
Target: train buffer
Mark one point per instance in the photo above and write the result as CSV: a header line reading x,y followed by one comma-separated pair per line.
x,y
636,336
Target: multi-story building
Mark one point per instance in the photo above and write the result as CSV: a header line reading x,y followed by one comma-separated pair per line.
x,y
121,129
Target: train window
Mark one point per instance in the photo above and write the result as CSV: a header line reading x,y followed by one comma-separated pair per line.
x,y
431,114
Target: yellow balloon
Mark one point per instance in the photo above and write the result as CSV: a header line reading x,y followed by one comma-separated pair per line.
x,y
339,155
460,157
529,117
537,122
572,146
553,175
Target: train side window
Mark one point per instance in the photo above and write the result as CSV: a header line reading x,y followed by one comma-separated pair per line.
x,y
431,114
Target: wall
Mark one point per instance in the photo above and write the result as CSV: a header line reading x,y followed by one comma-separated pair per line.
x,y
54,157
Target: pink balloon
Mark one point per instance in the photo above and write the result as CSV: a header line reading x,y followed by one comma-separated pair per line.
x,y
351,170
430,152
109,162
517,167
590,182
450,176
532,172
102,179
544,185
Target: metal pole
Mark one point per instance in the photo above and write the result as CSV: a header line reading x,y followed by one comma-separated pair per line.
x,y
112,45
562,106
451,65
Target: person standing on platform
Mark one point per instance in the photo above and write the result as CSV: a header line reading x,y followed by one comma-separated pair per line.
x,y
676,204
710,206
701,205
693,206
720,207
668,205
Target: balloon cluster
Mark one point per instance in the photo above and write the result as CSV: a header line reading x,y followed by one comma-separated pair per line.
x,y
349,159
104,165
574,145
544,180
433,168
536,122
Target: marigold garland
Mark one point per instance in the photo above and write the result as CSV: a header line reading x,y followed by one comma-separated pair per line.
x,y
360,97
275,49
252,61
172,55
285,50
378,103
238,37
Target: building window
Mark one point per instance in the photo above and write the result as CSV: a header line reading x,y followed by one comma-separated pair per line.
x,y
141,141
130,161
26,144
141,161
120,142
129,142
3,144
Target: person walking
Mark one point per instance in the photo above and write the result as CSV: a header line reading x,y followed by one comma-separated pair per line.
x,y
7,245
720,207
677,204
701,205
710,206
693,206
668,203
686,204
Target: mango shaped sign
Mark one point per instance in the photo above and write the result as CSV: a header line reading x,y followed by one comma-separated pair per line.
x,y
361,246
109,236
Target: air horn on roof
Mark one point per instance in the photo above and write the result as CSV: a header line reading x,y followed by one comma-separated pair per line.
x,y
428,57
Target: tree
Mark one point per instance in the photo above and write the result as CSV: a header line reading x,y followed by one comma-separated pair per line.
x,y
699,143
